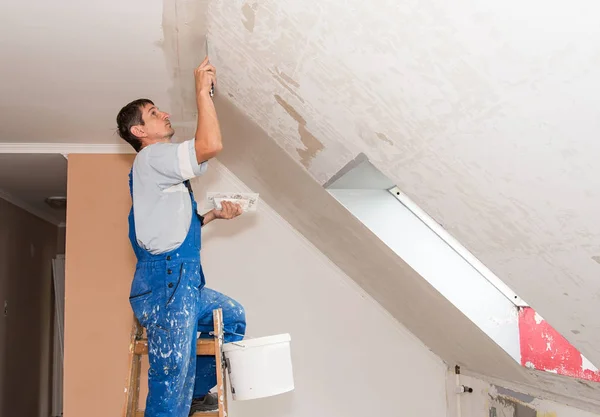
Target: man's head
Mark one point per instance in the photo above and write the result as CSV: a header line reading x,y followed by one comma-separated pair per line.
x,y
141,124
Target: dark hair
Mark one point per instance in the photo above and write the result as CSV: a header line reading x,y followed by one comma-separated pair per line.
x,y
129,116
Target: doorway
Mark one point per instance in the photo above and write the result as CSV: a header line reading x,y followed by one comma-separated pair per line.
x,y
32,247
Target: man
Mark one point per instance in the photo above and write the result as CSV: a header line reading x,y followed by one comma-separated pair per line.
x,y
168,295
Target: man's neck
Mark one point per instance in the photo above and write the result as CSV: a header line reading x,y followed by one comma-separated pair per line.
x,y
149,143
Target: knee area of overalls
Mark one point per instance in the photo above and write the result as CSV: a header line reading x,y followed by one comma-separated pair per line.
x,y
235,312
169,352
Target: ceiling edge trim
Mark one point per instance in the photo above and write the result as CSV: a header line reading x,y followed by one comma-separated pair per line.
x,y
28,208
65,148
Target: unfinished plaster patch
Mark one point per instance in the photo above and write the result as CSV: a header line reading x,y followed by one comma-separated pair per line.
x,y
518,409
384,138
249,12
500,410
545,349
285,80
312,145
183,43
516,395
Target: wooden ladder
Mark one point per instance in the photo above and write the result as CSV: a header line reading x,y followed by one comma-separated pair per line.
x,y
210,347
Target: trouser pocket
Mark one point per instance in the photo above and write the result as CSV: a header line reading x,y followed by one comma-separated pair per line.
x,y
143,297
144,307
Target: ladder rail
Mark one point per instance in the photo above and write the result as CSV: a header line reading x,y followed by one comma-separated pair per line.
x,y
204,347
132,386
221,379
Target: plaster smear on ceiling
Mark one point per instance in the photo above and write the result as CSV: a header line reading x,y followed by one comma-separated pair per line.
x,y
485,114
184,29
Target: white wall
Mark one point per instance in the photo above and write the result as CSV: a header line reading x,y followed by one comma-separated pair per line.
x,y
350,357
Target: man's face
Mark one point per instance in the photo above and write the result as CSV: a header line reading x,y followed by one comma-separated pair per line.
x,y
157,126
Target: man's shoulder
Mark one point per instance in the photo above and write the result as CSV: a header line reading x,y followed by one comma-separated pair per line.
x,y
157,149
165,163
153,151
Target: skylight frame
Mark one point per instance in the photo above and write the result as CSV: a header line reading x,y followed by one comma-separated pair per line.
x,y
460,250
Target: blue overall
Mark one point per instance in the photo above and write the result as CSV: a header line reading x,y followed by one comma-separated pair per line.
x,y
169,299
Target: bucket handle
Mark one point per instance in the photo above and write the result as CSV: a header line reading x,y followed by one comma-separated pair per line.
x,y
212,333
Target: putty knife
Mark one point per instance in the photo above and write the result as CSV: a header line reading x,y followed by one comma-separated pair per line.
x,y
212,86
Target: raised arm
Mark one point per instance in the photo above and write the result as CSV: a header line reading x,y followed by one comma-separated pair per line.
x,y
208,133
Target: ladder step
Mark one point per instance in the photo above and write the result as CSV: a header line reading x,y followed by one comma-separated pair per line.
x,y
140,413
204,347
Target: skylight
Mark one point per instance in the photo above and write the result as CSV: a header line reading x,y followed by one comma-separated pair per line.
x,y
451,269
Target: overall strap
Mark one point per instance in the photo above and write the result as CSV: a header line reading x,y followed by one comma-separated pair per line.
x,y
131,183
188,186
194,204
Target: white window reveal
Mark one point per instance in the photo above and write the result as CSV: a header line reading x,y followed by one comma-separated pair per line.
x,y
424,245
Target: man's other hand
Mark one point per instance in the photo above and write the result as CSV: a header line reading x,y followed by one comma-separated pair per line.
x,y
228,210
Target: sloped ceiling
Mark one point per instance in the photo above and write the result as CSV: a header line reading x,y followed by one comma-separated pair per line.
x,y
485,114
265,167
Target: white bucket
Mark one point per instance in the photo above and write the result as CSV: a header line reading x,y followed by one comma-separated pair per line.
x,y
260,367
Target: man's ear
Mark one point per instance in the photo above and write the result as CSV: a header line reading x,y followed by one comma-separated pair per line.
x,y
138,131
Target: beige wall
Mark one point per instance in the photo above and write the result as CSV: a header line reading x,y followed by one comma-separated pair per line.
x,y
350,357
27,246
98,272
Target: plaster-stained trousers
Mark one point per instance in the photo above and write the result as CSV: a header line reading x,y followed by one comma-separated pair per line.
x,y
169,299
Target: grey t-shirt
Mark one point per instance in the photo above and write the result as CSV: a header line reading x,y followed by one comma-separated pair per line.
x,y
161,203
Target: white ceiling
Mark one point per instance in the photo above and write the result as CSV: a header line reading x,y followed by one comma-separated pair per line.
x,y
485,114
68,66
26,180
